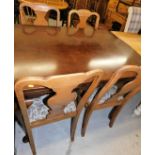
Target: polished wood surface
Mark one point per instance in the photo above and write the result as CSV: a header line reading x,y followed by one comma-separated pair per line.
x,y
59,4
44,51
131,39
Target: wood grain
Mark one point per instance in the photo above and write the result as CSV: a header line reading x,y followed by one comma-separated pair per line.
x,y
131,39
44,51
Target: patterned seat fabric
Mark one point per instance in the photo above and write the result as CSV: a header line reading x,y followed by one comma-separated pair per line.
x,y
133,23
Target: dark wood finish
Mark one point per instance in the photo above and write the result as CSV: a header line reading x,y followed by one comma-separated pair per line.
x,y
127,91
99,6
44,51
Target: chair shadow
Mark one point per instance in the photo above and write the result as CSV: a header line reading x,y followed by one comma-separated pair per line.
x,y
69,149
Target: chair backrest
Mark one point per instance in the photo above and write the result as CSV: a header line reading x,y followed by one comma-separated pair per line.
x,y
83,14
36,14
62,85
125,91
133,23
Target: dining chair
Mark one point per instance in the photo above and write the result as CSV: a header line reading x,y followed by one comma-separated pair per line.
x,y
62,100
74,4
124,92
84,15
133,23
37,14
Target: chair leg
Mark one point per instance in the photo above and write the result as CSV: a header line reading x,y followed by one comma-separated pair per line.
x,y
14,136
111,112
73,126
27,128
30,137
25,139
86,118
63,22
113,115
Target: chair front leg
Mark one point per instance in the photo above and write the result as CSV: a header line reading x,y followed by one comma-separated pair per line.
x,y
86,118
28,131
32,145
113,114
74,121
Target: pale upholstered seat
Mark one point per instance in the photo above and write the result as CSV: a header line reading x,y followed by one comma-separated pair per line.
x,y
37,14
125,91
62,91
133,23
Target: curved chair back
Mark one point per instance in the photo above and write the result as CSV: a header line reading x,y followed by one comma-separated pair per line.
x,y
61,95
83,14
118,99
125,91
62,85
36,14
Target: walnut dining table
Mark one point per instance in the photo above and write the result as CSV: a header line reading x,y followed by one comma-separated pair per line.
x,y
44,51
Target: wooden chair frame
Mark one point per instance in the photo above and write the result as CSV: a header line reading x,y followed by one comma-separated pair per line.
x,y
83,14
128,90
41,11
63,85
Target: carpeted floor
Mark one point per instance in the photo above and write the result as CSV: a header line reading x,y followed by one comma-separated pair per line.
x,y
123,139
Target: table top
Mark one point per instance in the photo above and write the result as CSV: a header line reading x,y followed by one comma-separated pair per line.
x,y
58,4
131,39
44,51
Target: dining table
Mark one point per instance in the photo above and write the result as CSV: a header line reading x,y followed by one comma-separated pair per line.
x,y
46,51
